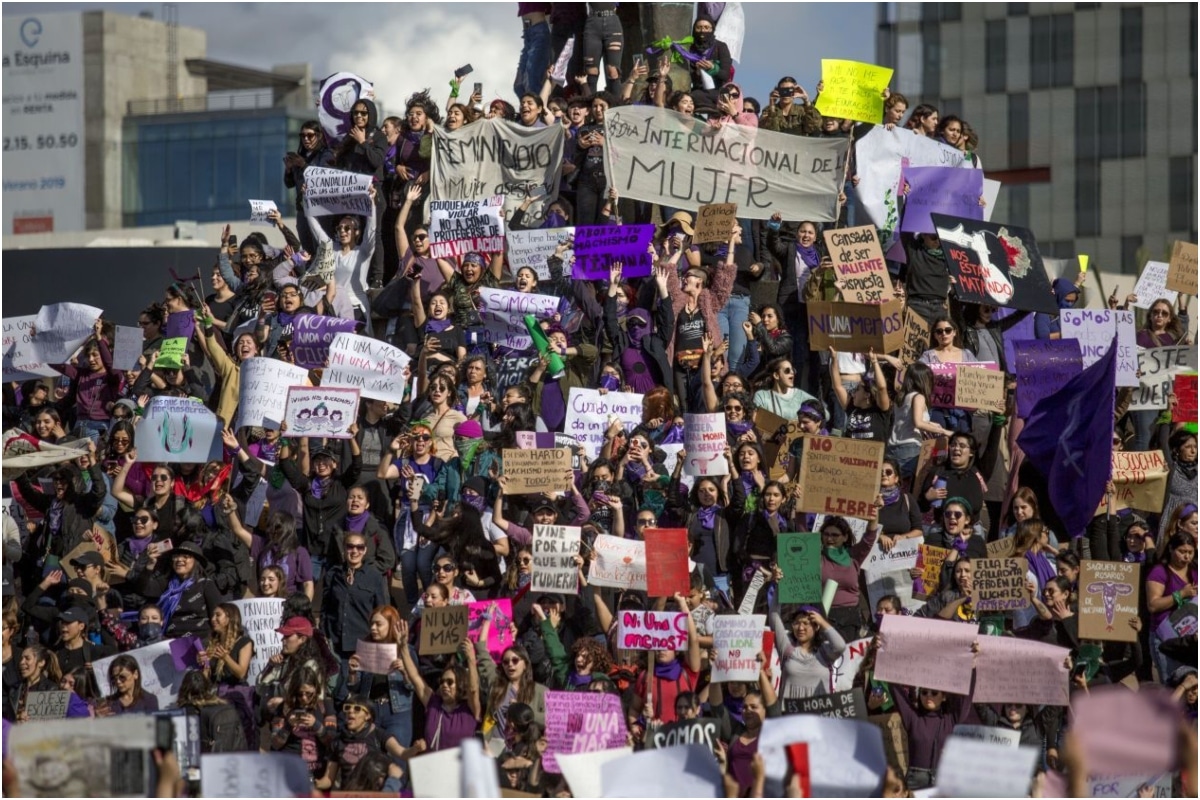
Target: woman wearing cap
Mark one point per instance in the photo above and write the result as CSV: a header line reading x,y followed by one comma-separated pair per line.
x,y
128,696
323,491
185,595
352,589
300,650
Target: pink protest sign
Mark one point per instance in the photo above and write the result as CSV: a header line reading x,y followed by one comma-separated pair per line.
x,y
499,634
581,722
652,630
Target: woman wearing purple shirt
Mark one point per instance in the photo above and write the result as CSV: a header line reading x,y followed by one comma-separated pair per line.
x,y
452,712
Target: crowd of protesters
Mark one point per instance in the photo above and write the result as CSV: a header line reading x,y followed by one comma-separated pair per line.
x,y
107,553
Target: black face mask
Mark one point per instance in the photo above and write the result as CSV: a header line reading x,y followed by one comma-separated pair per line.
x,y
703,38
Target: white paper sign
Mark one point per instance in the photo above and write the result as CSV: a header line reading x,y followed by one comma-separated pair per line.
x,y
321,411
588,412
972,768
845,756
843,671
264,386
157,666
254,775
259,209
554,551
60,328
620,563
1152,285
503,315
688,770
335,191
437,774
127,347
531,249
903,555
178,430
738,641
22,359
991,192
260,617
583,770
373,367
458,227
990,734
1095,329
705,442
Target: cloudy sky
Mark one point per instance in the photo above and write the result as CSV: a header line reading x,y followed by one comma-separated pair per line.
x,y
405,46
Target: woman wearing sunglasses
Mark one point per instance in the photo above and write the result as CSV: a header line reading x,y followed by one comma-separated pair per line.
x,y
127,696
512,682
413,462
311,152
390,694
353,248
778,393
452,708
353,589
900,516
358,737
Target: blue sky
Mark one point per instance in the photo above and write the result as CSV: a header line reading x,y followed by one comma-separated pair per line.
x,y
403,47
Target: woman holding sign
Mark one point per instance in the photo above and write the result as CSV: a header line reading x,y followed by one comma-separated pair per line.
x,y
390,695
453,711
352,258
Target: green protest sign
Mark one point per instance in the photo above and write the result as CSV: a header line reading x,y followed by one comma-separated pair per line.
x,y
170,354
800,561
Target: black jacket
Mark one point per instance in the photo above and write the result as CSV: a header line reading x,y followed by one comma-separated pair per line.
x,y
346,608
654,344
324,515
365,158
79,510
195,606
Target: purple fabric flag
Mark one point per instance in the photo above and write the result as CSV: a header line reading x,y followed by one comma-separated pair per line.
x,y
1068,439
940,190
311,336
598,246
1042,367
184,650
180,325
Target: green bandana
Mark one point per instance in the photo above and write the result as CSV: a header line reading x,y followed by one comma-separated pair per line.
x,y
839,556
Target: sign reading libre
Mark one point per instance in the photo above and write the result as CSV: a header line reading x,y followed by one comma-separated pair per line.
x,y
858,261
840,476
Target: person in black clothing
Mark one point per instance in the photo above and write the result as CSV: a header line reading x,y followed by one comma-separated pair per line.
x,y
353,590
186,596
76,650
364,151
708,62
323,494
961,476
67,513
868,406
462,536
313,152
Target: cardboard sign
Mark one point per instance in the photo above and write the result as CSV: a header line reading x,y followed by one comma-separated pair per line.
x,y
532,248
862,276
915,339
263,391
856,327
1185,398
1095,330
1181,272
500,634
849,704
1159,366
799,557
336,192
840,476
853,90
993,264
1043,367
931,451
458,227
979,387
737,641
178,430
620,563
598,246
376,657
705,443
932,653
540,471
581,722
1002,548
443,630
1010,670
1108,600
318,412
1140,480
588,412
259,209
999,584
554,551
373,367
1151,285
260,617
667,562
652,630
714,223
47,705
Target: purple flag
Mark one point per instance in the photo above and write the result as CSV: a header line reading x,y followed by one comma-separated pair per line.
x,y
940,190
1014,332
1042,367
598,246
311,336
1068,439
180,325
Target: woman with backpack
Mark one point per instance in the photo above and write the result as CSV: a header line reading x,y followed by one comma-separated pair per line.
x,y
220,726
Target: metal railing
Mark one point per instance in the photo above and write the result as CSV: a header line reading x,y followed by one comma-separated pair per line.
x,y
183,105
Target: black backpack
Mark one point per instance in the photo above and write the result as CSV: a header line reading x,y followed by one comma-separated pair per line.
x,y
221,729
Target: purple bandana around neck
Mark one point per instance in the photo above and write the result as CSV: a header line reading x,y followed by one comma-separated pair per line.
x,y
356,522
708,516
669,671
438,325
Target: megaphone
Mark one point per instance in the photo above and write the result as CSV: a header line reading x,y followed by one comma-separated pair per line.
x,y
557,367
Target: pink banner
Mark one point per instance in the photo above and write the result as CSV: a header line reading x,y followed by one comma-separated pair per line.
x,y
932,653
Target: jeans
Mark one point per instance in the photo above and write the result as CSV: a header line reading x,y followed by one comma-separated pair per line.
x,y
603,37
398,722
414,564
318,567
94,429
1143,428
535,57
1164,664
731,317
589,201
838,414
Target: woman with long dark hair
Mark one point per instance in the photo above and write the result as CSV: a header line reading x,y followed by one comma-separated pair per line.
x,y
280,547
1170,584
313,151
127,696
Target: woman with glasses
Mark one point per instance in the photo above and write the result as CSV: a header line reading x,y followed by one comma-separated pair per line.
x,y
185,595
412,461
808,645
313,151
512,682
305,723
127,696
956,533
929,717
841,561
437,407
779,394
958,476
357,739
352,590
452,711
352,250
900,515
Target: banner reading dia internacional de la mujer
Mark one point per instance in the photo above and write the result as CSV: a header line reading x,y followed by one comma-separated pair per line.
x,y
663,157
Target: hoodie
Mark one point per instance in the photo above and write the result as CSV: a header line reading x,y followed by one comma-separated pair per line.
x,y
1044,324
366,158
741,116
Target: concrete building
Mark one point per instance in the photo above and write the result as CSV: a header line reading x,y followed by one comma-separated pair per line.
x,y
1087,112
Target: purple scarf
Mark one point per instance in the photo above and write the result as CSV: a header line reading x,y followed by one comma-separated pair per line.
x,y
138,546
356,522
669,671
734,706
438,325
317,486
707,516
171,597
637,471
960,545
1135,558
579,680
737,429
890,496
1041,567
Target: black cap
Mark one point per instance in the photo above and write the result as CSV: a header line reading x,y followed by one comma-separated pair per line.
x,y
543,501
83,584
323,452
551,599
72,614
88,558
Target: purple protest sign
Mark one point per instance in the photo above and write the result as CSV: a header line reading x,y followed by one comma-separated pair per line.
x,y
940,190
180,325
598,246
1014,331
311,336
1043,366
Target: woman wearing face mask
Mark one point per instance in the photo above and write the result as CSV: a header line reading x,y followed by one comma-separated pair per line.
x,y
779,394
1066,294
640,338
707,59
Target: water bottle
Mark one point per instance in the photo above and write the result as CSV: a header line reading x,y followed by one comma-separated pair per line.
x,y
31,637
940,483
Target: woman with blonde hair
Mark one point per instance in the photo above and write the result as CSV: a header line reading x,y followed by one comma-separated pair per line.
x,y
228,651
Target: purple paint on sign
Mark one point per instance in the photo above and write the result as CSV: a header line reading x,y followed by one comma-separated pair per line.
x,y
598,246
940,190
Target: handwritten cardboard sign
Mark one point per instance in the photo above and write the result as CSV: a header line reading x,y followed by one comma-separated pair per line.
x,y
321,411
1181,272
915,339
1140,480
47,705
588,412
799,557
533,247
1159,366
978,387
262,401
554,551
260,618
667,561
857,257
714,222
849,704
945,381
259,211
1095,328
542,470
737,641
999,584
1108,600
652,630
856,327
443,630
840,476
929,561
705,443
581,722
620,563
